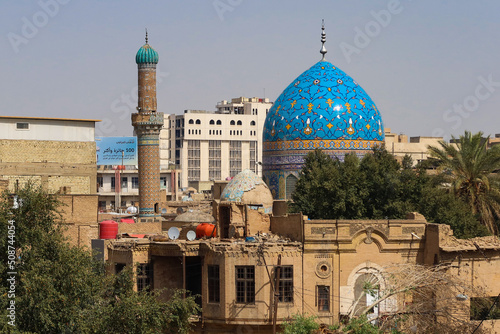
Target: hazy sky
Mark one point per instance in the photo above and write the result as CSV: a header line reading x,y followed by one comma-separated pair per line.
x,y
432,67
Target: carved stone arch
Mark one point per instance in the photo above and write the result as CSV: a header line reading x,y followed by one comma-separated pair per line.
x,y
370,235
352,301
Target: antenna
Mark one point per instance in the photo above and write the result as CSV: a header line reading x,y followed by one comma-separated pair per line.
x,y
191,235
173,233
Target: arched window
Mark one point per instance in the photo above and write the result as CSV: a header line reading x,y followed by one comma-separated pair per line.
x,y
191,121
231,132
252,123
232,123
291,182
212,122
239,123
219,122
198,121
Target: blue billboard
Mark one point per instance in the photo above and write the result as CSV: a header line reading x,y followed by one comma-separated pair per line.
x,y
109,150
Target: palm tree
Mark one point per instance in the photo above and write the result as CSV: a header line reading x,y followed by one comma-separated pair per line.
x,y
468,165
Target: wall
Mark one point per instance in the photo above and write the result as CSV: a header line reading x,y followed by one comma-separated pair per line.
x,y
79,212
289,226
54,164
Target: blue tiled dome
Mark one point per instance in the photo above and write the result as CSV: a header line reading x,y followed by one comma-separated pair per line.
x,y
146,55
323,108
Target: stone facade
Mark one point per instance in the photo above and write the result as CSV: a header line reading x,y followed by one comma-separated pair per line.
x,y
323,261
53,164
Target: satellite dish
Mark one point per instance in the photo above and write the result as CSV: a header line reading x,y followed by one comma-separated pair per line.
x,y
191,235
173,233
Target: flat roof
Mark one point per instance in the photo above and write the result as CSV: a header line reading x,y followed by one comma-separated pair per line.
x,y
51,118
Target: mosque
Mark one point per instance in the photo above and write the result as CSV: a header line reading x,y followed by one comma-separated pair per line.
x,y
323,108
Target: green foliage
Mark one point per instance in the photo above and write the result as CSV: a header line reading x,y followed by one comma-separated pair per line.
x,y
467,166
63,289
360,325
300,324
376,187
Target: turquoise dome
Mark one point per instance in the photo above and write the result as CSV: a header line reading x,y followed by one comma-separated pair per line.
x,y
323,108
146,55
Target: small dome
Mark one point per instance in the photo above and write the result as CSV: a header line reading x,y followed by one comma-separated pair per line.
x,y
247,187
146,55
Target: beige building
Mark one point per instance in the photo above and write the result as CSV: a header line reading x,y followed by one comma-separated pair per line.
x,y
210,146
258,263
415,147
58,153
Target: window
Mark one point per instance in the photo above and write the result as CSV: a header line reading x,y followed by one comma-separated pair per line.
x,y
144,276
245,284
481,308
213,284
253,156
239,123
112,183
119,267
100,182
191,121
163,182
212,122
198,121
252,123
193,160
22,126
285,286
232,123
234,157
124,184
219,122
102,205
323,297
135,182
214,160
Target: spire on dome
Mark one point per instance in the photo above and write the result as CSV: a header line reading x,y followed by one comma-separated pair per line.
x,y
323,40
146,35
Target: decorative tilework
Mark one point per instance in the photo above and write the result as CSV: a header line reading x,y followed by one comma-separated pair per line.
x,y
323,108
241,183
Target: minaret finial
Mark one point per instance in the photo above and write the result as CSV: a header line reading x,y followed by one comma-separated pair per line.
x,y
323,40
146,35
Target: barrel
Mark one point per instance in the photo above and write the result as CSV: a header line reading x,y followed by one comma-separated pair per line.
x,y
108,229
205,230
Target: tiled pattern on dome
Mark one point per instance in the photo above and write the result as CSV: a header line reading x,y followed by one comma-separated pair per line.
x,y
323,103
323,108
146,54
244,181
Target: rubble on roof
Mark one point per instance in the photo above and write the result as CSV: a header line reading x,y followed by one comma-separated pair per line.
x,y
448,243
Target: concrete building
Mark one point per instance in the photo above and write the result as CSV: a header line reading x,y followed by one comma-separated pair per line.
x,y
113,196
58,153
415,147
211,146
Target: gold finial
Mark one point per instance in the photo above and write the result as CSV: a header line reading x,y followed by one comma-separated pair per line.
x,y
323,40
146,35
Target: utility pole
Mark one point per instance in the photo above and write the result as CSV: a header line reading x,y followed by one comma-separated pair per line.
x,y
277,273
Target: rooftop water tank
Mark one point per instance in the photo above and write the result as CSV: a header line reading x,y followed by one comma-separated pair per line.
x,y
108,229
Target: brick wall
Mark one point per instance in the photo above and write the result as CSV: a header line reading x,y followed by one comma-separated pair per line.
x,y
47,151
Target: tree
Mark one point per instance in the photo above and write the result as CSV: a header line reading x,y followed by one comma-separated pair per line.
x,y
300,324
376,187
423,299
63,289
468,165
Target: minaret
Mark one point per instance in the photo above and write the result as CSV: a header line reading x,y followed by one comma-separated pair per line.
x,y
147,124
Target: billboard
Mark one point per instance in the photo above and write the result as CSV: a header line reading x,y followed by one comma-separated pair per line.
x,y
109,150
